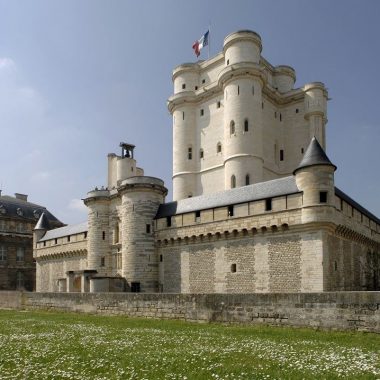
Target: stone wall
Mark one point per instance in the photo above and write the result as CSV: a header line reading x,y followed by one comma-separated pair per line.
x,y
335,310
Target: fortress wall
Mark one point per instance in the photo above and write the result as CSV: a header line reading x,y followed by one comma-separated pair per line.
x,y
335,310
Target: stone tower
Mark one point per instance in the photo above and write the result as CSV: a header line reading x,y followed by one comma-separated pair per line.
x,y
120,224
238,120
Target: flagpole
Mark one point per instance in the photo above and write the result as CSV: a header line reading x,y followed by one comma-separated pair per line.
x,y
209,40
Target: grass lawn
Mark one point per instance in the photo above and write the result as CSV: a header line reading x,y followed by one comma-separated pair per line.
x,y
38,345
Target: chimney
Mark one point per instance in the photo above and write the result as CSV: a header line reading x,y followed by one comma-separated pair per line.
x,y
22,197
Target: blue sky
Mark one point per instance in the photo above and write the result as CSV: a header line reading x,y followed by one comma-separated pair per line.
x,y
77,77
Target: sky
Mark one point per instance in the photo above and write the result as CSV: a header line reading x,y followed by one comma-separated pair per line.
x,y
77,77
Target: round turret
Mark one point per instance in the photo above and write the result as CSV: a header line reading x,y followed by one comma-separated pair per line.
x,y
141,197
315,110
186,77
284,78
242,46
98,256
315,178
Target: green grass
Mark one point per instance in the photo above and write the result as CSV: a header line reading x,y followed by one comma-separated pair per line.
x,y
37,345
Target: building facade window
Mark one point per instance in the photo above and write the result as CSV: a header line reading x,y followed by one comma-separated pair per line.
x,y
168,221
201,153
19,280
219,148
233,182
190,153
20,254
102,261
3,253
148,228
183,86
232,127
231,210
281,155
202,112
218,104
253,90
247,181
268,204
233,268
104,235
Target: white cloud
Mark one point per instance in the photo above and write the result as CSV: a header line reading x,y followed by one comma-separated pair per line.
x,y
7,64
78,205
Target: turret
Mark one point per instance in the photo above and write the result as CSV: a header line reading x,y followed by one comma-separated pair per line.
x,y
284,78
242,81
315,178
98,246
140,199
315,110
183,108
41,228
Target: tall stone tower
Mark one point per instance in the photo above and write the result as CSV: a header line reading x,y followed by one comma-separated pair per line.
x,y
120,224
238,120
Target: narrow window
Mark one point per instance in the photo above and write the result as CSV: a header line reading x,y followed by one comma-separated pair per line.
x,y
281,155
161,259
190,153
233,182
262,105
323,197
68,238
55,241
218,105
201,154
203,81
230,210
253,90
238,90
297,110
280,117
268,204
335,266
19,280
302,150
183,86
246,125
45,243
247,179
190,196
148,228
104,235
219,148
233,268
85,234
197,215
183,115
232,127
196,88
202,112
228,61
102,261
275,114
168,221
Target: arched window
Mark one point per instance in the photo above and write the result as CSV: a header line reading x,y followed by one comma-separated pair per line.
x,y
246,125
190,153
219,148
232,127
201,153
116,233
247,180
233,182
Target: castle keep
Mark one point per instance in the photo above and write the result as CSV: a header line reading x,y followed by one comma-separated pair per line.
x,y
255,204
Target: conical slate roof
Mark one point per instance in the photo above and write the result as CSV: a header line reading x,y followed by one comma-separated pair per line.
x,y
314,155
43,223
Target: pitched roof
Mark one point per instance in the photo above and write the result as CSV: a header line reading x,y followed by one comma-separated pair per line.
x,y
314,155
65,231
257,191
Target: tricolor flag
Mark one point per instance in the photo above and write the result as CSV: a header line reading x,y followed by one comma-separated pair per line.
x,y
201,43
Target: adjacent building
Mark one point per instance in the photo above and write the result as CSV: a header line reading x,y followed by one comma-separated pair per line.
x,y
18,218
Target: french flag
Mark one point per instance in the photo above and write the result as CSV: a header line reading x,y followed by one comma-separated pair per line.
x,y
200,44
